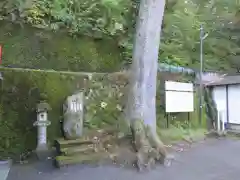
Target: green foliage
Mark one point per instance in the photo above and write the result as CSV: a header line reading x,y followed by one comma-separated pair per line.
x,y
181,33
115,19
85,35
211,109
103,98
104,19
22,90
178,120
174,134
91,17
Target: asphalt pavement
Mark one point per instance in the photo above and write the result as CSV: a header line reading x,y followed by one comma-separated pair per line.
x,y
210,160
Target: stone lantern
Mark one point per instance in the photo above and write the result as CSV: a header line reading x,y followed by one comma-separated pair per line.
x,y
42,123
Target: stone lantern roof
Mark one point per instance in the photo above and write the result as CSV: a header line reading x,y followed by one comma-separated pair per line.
x,y
43,107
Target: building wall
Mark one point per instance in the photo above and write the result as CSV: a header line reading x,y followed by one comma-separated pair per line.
x,y
227,98
220,98
234,104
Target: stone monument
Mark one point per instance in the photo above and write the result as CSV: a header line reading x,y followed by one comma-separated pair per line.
x,y
42,123
73,116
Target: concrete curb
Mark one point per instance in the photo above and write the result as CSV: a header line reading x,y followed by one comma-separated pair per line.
x,y
5,166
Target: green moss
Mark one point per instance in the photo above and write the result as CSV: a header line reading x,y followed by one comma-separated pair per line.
x,y
82,158
29,47
23,89
174,134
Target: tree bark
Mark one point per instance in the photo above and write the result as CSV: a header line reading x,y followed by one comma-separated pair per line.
x,y
141,101
141,105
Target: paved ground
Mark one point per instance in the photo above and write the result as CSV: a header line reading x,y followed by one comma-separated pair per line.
x,y
4,170
212,160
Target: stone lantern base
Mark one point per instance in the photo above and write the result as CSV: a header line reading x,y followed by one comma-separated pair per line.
x,y
43,152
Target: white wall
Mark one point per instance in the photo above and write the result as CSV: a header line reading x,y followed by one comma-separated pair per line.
x,y
220,98
234,104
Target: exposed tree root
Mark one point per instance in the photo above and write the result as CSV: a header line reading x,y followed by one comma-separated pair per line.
x,y
148,146
109,147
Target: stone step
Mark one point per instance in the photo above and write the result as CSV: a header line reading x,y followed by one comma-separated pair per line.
x,y
66,143
62,143
82,149
80,159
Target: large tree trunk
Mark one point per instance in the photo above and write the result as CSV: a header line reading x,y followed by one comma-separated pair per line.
x,y
141,104
142,93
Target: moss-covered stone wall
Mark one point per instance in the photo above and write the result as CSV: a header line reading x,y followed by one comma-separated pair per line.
x,y
22,90
25,46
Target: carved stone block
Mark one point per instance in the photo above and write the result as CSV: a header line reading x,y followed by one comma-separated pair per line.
x,y
73,116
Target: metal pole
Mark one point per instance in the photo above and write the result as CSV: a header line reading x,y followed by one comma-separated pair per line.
x,y
200,75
